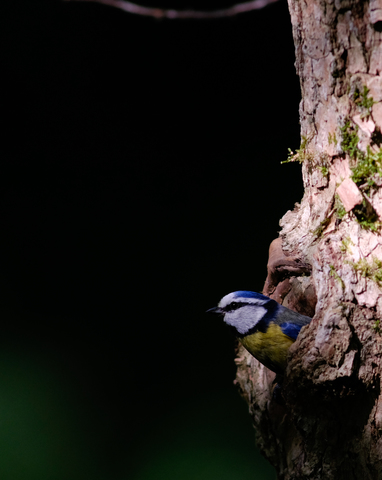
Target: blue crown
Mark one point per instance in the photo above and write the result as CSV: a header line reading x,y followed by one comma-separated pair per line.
x,y
248,294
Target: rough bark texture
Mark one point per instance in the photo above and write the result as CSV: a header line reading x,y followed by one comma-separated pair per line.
x,y
327,259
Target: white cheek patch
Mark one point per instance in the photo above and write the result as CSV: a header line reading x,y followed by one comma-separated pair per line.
x,y
245,318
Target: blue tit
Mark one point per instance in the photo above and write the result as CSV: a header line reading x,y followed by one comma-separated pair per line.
x,y
264,327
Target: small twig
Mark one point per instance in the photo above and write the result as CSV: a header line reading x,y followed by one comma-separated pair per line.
x,y
182,14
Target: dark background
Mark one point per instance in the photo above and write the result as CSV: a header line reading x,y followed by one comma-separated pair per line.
x,y
140,182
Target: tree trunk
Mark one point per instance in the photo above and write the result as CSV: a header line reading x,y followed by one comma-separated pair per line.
x,y
328,259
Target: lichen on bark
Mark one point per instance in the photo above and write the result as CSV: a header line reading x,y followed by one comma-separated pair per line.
x,y
330,426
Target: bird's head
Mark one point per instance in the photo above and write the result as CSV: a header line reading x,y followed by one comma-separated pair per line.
x,y
243,310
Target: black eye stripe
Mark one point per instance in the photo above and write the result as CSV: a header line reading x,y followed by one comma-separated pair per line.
x,y
234,306
231,307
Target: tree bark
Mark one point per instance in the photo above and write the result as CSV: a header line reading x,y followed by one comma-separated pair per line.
x,y
327,261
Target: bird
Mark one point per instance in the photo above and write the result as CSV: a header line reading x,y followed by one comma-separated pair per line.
x,y
263,326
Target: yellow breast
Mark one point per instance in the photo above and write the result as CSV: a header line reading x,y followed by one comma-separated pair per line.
x,y
270,348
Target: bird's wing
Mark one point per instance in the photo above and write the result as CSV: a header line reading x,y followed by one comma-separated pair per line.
x,y
291,322
290,329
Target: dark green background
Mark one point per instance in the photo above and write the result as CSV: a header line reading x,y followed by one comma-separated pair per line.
x,y
140,182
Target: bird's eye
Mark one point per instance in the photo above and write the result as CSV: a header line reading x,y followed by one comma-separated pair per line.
x,y
234,306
